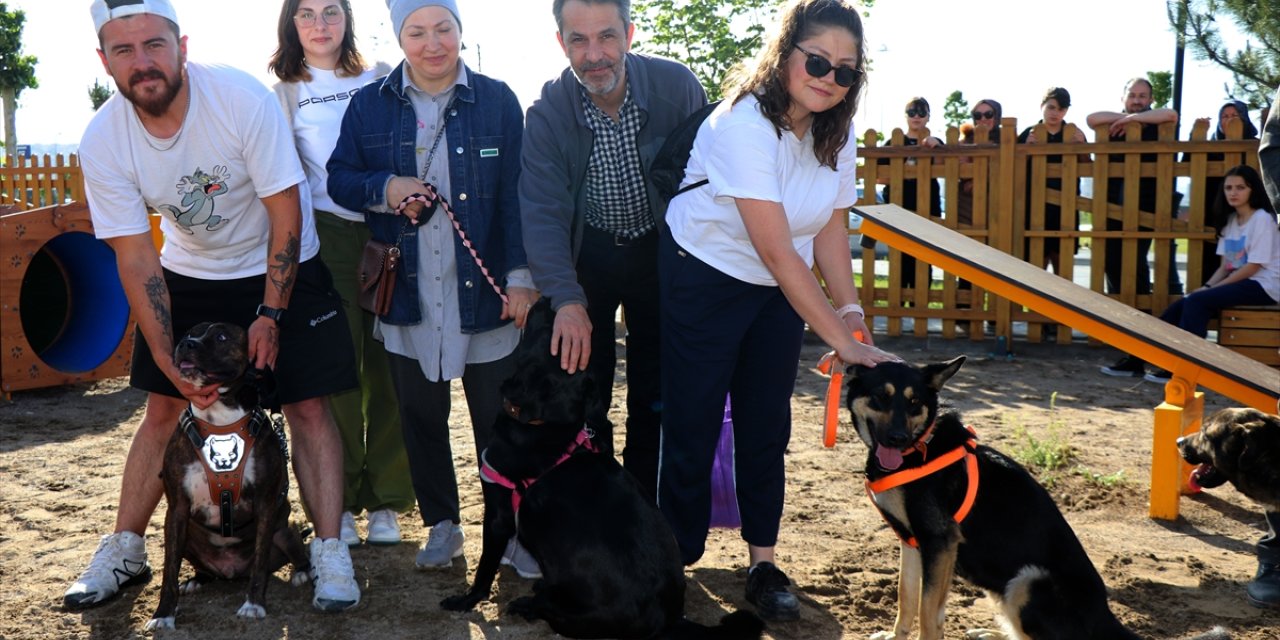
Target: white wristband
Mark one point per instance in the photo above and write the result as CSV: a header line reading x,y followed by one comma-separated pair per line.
x,y
850,308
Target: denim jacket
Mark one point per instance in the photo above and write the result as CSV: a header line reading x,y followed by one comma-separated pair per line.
x,y
377,142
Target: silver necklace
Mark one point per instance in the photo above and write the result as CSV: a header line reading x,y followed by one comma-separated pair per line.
x,y
146,135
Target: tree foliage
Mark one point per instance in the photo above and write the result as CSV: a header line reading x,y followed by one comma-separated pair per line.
x,y
956,109
1256,67
17,71
1161,88
99,93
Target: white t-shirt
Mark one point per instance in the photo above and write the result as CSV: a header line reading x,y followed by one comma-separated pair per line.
x,y
740,152
317,120
206,182
1257,242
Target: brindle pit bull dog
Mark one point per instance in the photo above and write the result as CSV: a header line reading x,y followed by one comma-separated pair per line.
x,y
225,480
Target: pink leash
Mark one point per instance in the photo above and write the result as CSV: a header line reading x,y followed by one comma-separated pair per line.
x,y
431,201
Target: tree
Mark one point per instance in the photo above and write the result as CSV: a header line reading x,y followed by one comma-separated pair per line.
x,y
17,71
956,109
99,93
1256,68
1161,88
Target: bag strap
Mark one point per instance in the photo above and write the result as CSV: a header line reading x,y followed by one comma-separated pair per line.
x,y
432,199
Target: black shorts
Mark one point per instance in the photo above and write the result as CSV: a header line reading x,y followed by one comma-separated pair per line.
x,y
316,357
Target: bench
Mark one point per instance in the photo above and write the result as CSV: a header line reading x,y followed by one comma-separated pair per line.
x,y
1253,332
1192,360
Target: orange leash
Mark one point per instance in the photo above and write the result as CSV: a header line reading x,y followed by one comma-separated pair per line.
x,y
827,366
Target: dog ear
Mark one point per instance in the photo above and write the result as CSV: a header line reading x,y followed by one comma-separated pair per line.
x,y
939,374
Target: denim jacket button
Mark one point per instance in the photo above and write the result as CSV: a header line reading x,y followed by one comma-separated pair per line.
x,y
462,196
467,284
458,150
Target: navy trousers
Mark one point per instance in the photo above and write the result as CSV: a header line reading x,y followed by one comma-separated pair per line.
x,y
1193,311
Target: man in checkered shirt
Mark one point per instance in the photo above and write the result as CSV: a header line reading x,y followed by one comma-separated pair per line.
x,y
590,215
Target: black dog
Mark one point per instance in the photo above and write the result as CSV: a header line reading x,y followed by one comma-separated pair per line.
x,y
225,479
610,565
1013,541
1241,446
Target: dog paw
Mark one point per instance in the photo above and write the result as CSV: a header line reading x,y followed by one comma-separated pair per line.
x,y
985,634
523,607
189,586
882,635
252,611
464,602
300,578
159,623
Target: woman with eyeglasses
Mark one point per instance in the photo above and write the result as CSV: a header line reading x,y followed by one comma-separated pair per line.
x,y
736,282
435,133
320,68
1053,109
917,134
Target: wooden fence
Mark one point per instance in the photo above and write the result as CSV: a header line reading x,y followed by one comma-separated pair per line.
x,y
984,188
40,181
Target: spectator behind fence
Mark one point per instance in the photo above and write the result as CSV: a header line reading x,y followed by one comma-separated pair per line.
x,y
1053,111
1232,111
1249,273
1137,108
986,117
1264,589
320,69
917,113
460,135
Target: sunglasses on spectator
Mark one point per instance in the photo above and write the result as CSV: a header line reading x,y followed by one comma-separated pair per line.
x,y
818,67
331,15
984,115
917,113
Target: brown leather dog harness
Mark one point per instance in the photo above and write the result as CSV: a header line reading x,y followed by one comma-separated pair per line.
x,y
225,478
906,476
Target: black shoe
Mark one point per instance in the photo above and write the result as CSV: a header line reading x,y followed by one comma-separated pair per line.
x,y
1126,367
767,589
1263,592
1158,376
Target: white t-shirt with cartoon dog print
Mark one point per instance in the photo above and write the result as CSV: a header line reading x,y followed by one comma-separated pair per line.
x,y
206,182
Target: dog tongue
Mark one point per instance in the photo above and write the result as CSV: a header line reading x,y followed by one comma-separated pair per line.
x,y
1196,474
889,459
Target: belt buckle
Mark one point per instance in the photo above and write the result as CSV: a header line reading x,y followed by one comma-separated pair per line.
x,y
622,241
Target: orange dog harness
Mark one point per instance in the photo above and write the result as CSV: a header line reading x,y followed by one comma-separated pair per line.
x,y
907,476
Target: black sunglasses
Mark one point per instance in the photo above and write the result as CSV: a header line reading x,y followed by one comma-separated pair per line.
x,y
818,67
917,113
984,115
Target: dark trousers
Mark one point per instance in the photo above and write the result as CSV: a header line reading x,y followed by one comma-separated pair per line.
x,y
1113,249
721,335
624,273
424,419
1193,311
1269,545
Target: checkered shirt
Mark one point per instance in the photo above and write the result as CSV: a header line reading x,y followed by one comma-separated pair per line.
x,y
617,200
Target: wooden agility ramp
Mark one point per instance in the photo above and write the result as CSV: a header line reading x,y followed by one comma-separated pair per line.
x,y
1192,360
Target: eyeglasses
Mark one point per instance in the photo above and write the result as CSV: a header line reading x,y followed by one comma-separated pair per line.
x,y
818,67
917,113
984,115
331,15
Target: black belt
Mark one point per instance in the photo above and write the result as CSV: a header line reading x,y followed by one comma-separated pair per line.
x,y
649,237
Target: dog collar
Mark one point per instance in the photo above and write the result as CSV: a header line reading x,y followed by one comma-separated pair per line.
x,y
965,451
519,487
222,451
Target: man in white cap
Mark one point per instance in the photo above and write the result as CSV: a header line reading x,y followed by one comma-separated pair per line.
x,y
209,149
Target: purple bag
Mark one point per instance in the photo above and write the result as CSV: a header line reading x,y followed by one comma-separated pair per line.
x,y
724,494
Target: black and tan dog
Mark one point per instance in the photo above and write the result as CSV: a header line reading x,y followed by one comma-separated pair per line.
x,y
225,480
966,509
1240,446
610,565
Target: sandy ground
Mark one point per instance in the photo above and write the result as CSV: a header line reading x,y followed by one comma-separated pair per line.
x,y
61,452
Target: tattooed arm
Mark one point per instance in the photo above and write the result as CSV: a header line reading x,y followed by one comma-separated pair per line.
x,y
284,244
148,296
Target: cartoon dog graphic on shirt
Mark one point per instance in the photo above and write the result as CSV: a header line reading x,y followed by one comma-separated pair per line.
x,y
198,191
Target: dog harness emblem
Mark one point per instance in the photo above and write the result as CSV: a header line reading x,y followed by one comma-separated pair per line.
x,y
519,487
907,476
223,449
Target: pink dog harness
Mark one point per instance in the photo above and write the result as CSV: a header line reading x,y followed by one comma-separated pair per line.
x,y
518,487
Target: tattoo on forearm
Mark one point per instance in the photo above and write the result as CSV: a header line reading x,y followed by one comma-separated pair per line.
x,y
284,266
157,297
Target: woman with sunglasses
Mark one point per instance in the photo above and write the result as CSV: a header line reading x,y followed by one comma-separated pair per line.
x,y
736,282
1053,109
917,134
319,69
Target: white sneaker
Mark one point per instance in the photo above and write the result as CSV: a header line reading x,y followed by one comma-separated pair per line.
x,y
383,528
444,543
120,561
347,531
335,578
519,558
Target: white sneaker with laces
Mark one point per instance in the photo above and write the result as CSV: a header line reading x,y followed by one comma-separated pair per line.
x,y
519,558
444,543
120,561
335,578
383,528
347,529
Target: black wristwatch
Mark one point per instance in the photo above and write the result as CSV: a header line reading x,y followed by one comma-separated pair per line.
x,y
271,312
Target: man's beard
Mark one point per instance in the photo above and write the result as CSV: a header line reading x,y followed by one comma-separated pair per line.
x,y
155,104
595,88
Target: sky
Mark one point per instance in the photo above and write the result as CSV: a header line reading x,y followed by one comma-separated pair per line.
x,y
1007,50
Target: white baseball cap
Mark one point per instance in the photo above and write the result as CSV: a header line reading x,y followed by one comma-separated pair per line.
x,y
104,11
